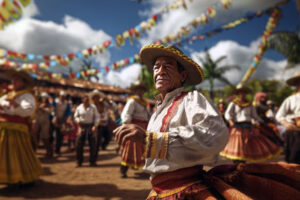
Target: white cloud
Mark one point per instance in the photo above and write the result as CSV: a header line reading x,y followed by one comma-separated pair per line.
x,y
31,10
242,56
123,78
29,35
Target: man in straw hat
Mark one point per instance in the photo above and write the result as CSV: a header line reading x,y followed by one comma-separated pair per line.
x,y
43,123
184,133
87,118
289,116
62,110
97,98
134,112
18,163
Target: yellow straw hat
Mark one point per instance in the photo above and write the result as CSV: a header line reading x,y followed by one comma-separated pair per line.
x,y
96,93
138,85
151,52
22,74
295,79
242,89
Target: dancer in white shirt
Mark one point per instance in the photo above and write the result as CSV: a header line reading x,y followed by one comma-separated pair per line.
x,y
87,118
289,116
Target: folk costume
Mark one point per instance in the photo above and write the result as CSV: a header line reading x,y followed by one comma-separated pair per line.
x,y
246,143
86,117
43,123
268,128
185,132
103,134
134,112
290,111
18,163
62,111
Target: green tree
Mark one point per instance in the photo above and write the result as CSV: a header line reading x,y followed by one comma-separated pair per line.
x,y
213,71
277,91
85,66
288,44
146,77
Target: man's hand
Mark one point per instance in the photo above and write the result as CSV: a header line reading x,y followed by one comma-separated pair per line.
x,y
289,126
12,102
231,123
94,129
130,132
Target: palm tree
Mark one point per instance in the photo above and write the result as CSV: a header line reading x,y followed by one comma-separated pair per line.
x,y
288,44
86,65
146,77
212,71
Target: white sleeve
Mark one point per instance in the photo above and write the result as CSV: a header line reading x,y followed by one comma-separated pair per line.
x,y
229,113
283,111
97,115
76,115
255,116
127,112
26,106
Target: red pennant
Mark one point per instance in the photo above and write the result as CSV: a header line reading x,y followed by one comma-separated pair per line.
x,y
71,56
46,58
34,66
106,44
126,60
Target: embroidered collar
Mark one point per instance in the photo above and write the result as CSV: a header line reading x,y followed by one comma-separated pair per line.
x,y
242,104
14,94
139,100
169,95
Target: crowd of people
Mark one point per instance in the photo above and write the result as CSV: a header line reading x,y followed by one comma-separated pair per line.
x,y
172,143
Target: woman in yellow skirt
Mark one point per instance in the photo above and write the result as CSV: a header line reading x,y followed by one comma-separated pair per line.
x,y
134,112
246,143
18,163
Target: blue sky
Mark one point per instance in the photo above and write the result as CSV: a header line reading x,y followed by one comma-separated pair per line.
x,y
65,26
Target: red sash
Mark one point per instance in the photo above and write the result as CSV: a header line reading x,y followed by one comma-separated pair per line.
x,y
14,119
177,178
171,112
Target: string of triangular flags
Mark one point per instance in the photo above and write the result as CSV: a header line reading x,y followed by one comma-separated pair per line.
x,y
136,59
64,60
11,10
271,25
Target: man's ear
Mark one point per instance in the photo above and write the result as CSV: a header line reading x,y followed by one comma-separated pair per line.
x,y
183,75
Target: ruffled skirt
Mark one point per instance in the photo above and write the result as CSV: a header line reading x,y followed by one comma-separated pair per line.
x,y
247,144
133,152
18,163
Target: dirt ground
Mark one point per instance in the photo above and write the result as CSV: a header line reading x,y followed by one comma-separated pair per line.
x,y
62,180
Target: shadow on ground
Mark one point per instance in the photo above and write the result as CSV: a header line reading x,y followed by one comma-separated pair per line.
x,y
41,191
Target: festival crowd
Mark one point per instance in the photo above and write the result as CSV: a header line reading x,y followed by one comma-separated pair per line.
x,y
184,131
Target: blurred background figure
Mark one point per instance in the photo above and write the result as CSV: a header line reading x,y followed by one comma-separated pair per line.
x,y
97,99
18,163
268,128
42,123
246,143
87,118
62,110
222,109
289,116
271,112
70,132
134,112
